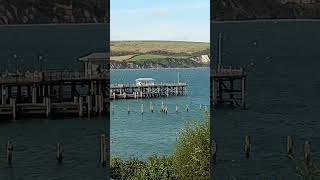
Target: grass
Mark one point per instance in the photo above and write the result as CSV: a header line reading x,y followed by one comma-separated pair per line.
x,y
123,58
153,56
168,46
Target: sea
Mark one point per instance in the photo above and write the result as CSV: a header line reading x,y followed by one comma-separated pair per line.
x,y
34,140
137,135
283,86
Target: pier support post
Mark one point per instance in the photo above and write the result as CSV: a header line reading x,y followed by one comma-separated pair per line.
x,y
103,147
59,152
48,106
290,147
3,95
243,91
9,152
142,109
101,108
307,153
34,94
75,99
13,105
247,146
89,101
81,106
214,95
177,109
96,104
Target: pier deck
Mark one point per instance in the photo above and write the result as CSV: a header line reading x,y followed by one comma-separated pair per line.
x,y
228,86
52,92
134,91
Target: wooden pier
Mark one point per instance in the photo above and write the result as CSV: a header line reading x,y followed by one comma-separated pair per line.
x,y
51,93
228,84
139,91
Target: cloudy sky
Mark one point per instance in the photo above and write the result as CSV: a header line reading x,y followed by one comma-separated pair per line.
x,y
181,20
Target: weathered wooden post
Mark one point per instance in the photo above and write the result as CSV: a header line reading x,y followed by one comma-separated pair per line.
x,y
89,101
243,91
247,146
80,106
96,104
101,108
150,106
290,147
103,147
60,152
9,152
34,94
162,107
13,106
3,95
48,106
200,107
187,108
142,109
307,153
128,109
214,150
177,109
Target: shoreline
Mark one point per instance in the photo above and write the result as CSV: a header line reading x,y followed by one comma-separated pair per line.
x,y
161,68
263,21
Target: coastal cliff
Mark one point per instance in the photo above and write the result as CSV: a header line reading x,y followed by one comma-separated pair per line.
x,y
261,9
53,11
159,54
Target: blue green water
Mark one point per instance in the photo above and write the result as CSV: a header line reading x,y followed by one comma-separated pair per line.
x,y
34,140
283,98
156,133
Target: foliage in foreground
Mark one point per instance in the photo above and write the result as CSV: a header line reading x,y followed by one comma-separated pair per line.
x,y
189,161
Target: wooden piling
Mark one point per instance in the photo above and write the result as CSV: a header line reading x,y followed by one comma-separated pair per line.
x,y
34,94
128,109
101,108
103,147
48,106
9,152
3,95
187,108
289,147
14,109
142,108
80,106
59,152
243,90
247,146
89,101
96,104
177,109
307,153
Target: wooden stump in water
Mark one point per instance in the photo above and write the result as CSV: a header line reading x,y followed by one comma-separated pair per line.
x,y
59,152
9,152
290,147
307,153
103,146
247,146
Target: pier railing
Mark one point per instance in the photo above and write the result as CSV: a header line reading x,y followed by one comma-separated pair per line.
x,y
228,71
147,85
49,76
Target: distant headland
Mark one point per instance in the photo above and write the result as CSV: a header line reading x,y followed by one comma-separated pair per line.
x,y
159,54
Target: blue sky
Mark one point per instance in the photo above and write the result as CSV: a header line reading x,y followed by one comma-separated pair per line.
x,y
181,20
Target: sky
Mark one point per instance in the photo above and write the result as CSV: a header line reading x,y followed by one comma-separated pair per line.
x,y
173,20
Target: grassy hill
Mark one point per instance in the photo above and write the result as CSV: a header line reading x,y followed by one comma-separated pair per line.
x,y
158,53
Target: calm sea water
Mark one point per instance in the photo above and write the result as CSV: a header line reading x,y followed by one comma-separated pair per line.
x,y
283,98
35,140
155,133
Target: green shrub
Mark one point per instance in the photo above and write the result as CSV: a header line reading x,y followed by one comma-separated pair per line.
x,y
189,161
192,151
